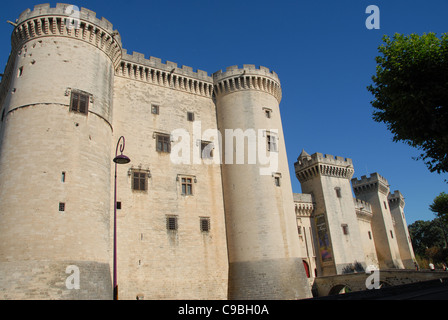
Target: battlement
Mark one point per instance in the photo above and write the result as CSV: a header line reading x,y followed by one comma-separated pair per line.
x,y
308,167
62,9
304,204
324,158
45,21
374,183
362,205
374,177
248,69
396,199
247,78
168,66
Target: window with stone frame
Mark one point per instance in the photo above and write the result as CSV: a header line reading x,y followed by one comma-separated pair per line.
x,y
271,140
79,102
139,180
163,143
187,186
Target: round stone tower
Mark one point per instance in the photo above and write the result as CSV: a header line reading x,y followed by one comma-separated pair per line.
x,y
265,261
55,155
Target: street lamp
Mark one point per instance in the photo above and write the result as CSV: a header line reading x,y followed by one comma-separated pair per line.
x,y
119,159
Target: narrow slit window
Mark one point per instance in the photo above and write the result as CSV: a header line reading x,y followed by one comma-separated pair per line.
x,y
63,176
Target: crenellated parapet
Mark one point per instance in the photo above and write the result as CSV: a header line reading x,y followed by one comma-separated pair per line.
x,y
168,74
308,167
248,78
396,199
363,210
66,20
304,204
374,183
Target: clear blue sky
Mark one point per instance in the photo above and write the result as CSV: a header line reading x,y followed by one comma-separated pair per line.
x,y
322,52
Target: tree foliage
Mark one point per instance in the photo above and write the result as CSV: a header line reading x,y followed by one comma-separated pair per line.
x,y
428,234
440,206
410,91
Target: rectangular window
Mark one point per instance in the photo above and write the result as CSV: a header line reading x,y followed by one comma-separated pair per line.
x,y
385,205
79,102
171,223
154,109
344,229
118,205
61,206
391,234
277,181
370,235
63,176
204,224
187,186
190,116
139,181
271,142
20,72
267,113
163,143
338,192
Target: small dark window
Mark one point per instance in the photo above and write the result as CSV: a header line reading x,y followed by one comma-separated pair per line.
x,y
338,192
139,181
63,176
345,229
385,205
271,143
267,113
154,109
171,223
299,229
163,143
277,181
187,186
370,235
20,72
391,234
118,205
190,116
61,206
79,102
204,224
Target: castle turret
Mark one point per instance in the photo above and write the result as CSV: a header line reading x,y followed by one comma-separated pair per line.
x,y
265,260
327,178
396,205
55,162
374,190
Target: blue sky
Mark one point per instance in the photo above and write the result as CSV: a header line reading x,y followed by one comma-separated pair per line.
x,y
322,52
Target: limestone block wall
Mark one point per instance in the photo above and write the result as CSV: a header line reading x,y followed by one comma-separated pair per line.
x,y
374,190
327,178
396,205
54,163
364,214
153,262
265,259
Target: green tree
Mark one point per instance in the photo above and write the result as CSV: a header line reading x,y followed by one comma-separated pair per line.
x,y
410,91
440,207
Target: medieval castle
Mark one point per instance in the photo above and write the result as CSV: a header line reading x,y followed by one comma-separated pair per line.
x,y
206,228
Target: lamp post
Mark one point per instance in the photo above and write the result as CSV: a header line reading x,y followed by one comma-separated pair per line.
x,y
119,159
